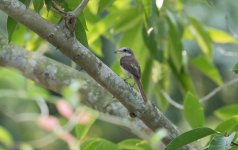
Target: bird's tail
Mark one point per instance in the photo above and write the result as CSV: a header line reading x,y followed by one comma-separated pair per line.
x,y
139,84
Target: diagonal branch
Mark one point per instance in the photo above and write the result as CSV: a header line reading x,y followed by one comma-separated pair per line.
x,y
131,99
80,7
55,76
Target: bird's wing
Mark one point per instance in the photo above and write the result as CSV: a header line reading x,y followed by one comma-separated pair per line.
x,y
131,65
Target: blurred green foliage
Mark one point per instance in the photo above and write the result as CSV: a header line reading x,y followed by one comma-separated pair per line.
x,y
177,46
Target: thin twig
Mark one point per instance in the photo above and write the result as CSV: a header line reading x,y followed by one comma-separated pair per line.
x,y
171,101
80,7
227,53
218,89
203,99
43,106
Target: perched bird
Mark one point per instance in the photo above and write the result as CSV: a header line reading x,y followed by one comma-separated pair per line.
x,y
131,68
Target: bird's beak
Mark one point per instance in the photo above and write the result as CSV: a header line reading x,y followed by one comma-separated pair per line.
x,y
115,51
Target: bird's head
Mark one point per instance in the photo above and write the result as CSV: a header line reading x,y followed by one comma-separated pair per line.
x,y
125,52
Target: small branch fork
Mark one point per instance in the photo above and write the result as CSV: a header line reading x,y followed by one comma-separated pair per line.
x,y
70,17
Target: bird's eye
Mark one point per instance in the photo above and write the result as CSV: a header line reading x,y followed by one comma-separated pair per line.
x,y
124,50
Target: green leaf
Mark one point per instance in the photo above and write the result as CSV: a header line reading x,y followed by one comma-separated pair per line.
x,y
104,4
82,19
221,142
151,44
80,33
219,36
235,68
98,144
38,4
146,76
227,111
5,137
175,45
133,144
148,8
135,43
26,2
82,129
11,26
7,82
229,125
35,92
185,82
48,4
207,68
123,20
188,137
202,37
193,111
130,20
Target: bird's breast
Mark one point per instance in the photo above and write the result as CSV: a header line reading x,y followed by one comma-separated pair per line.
x,y
126,72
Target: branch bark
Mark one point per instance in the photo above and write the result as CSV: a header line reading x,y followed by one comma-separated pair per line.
x,y
132,100
55,76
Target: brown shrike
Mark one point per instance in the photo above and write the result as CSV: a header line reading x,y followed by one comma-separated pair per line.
x,y
131,68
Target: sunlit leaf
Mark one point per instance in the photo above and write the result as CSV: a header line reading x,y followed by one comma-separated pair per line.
x,y
35,92
221,142
34,43
103,4
189,137
207,68
148,7
5,137
229,125
193,111
99,144
123,20
227,112
133,144
219,36
202,37
135,43
7,82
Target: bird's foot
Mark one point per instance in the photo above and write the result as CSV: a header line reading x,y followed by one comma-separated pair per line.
x,y
125,80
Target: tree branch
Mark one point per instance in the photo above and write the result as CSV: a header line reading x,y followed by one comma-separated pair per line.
x,y
132,100
36,67
80,7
